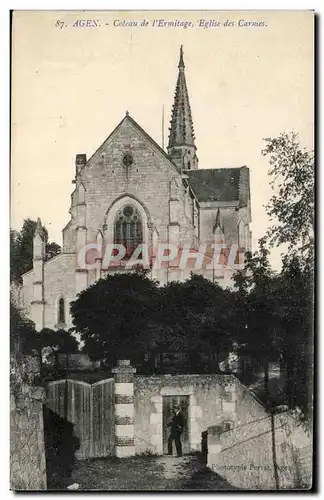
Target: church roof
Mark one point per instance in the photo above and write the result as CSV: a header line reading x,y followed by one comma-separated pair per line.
x,y
181,129
215,184
149,138
137,127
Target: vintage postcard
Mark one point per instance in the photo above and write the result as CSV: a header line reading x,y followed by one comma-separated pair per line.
x,y
162,250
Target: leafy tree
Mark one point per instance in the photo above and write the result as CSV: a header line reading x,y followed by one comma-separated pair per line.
x,y
20,328
59,342
257,332
21,249
113,315
52,249
292,207
55,341
295,309
194,318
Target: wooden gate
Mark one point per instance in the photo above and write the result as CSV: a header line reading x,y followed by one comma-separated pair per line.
x,y
90,408
169,402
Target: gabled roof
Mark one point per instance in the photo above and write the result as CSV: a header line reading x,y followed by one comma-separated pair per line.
x,y
147,137
215,184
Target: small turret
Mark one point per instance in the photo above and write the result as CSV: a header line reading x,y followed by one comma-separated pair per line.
x,y
37,304
39,242
80,162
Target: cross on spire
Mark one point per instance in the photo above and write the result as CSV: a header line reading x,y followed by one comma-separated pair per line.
x,y
181,62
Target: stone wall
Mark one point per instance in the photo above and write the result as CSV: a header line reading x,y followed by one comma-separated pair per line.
x,y
210,398
27,450
266,453
239,430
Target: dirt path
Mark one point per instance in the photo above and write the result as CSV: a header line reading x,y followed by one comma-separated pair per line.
x,y
145,473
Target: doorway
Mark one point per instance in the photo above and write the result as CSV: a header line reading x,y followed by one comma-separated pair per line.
x,y
169,402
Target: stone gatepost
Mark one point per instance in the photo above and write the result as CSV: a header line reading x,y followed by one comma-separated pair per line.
x,y
124,408
213,445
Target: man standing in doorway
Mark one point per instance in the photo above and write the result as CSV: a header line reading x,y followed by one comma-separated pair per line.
x,y
176,425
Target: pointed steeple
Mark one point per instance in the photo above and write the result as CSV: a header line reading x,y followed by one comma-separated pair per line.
x,y
218,221
181,147
39,241
39,228
181,63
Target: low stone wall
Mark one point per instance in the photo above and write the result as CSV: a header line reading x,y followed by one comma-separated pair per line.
x,y
211,397
271,452
27,451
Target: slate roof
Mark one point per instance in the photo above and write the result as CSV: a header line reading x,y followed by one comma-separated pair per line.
x,y
215,184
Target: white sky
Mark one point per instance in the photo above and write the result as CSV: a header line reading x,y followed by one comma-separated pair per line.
x,y
71,87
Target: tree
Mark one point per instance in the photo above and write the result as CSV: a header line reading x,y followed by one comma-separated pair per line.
x,y
295,309
59,342
21,249
56,341
20,329
292,172
194,316
256,296
113,315
292,207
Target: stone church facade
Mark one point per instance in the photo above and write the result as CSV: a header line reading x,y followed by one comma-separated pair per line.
x,y
131,191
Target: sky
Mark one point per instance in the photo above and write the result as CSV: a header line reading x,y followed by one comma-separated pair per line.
x,y
72,84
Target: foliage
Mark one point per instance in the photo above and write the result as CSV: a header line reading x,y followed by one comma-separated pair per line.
x,y
21,249
257,331
113,314
34,343
59,341
295,309
292,172
136,318
20,328
195,319
292,207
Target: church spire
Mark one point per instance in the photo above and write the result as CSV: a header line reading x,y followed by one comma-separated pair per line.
x,y
181,63
181,147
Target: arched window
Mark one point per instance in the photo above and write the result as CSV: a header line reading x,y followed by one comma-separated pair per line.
x,y
128,228
61,311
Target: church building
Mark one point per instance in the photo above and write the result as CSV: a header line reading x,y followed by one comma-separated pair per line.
x,y
132,192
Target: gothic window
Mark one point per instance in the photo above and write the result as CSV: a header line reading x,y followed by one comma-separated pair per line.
x,y
128,160
128,228
219,237
61,311
81,194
